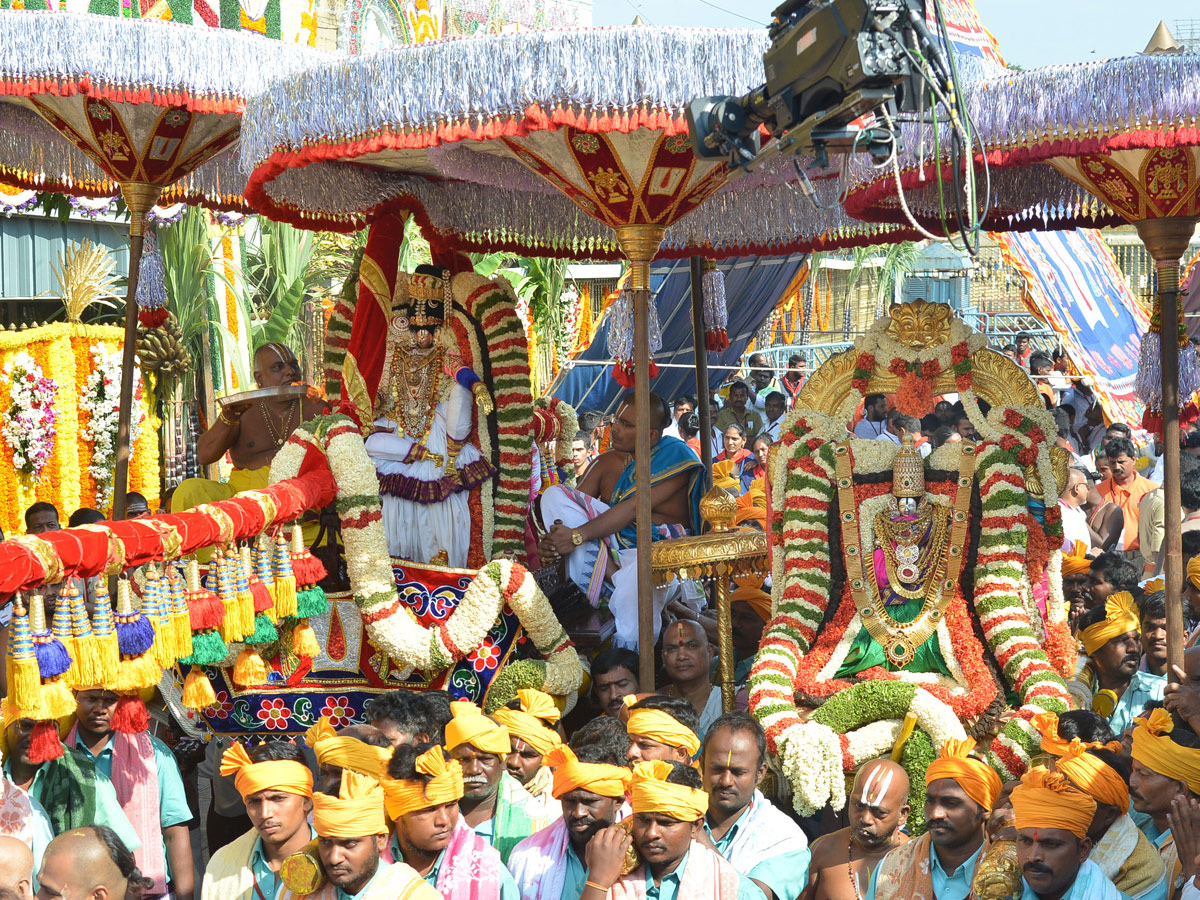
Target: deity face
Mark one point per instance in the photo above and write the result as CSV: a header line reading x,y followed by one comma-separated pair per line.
x,y
907,506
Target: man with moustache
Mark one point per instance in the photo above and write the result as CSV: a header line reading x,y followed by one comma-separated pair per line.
x,y
551,864
494,804
352,834
1112,639
687,659
614,677
1075,568
760,841
959,794
1123,853
668,823
843,862
1052,820
421,793
530,720
1166,766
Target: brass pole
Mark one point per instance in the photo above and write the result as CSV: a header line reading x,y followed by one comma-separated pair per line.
x,y
725,642
702,405
640,243
1167,239
140,198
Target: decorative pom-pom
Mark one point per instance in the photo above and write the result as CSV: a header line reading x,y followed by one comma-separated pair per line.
x,y
263,601
264,631
304,641
311,602
207,649
153,318
308,569
57,700
52,657
45,743
205,610
198,691
249,670
130,716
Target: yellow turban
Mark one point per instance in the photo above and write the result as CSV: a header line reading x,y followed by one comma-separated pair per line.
x,y
1120,617
277,775
598,778
660,726
759,600
1193,571
1045,799
470,726
445,785
974,776
1075,562
1154,585
529,723
1094,776
344,752
1153,748
356,812
652,794
723,476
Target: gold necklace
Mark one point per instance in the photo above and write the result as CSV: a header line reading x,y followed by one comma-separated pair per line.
x,y
905,561
416,383
278,437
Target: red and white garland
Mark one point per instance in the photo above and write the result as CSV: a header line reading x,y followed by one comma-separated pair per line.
x,y
100,399
391,625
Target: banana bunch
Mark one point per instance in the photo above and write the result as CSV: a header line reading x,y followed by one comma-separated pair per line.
x,y
161,350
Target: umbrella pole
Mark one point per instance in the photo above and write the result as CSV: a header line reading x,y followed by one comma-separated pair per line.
x,y
1167,239
640,243
140,198
702,401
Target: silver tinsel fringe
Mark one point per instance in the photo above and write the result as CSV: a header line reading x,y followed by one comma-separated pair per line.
x,y
1148,385
152,281
619,342
716,313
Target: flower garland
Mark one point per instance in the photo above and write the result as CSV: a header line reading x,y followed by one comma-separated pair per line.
x,y
30,423
391,625
100,400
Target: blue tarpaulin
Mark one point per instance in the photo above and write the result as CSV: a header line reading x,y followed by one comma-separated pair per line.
x,y
752,289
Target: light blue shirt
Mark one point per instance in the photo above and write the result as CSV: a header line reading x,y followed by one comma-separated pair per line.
x,y
43,834
668,886
342,895
487,830
786,874
1089,883
575,879
1142,689
267,880
955,885
508,885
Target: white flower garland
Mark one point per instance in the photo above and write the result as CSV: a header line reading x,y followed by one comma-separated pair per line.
x,y
811,757
100,400
29,426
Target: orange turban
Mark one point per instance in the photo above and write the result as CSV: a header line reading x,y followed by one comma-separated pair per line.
x,y
531,722
759,600
357,810
974,776
1094,776
250,777
598,778
1120,617
1075,561
660,726
471,726
344,752
1154,749
652,794
1193,571
1045,799
445,785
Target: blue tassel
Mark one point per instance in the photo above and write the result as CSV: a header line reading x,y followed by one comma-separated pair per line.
x,y
53,658
134,637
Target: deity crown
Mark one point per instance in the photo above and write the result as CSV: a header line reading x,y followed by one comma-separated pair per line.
x,y
908,471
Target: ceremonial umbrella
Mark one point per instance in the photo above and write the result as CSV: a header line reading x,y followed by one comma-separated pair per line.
x,y
567,143
146,103
1094,143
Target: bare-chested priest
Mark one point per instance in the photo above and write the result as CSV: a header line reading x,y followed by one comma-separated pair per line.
x,y
842,862
592,527
251,433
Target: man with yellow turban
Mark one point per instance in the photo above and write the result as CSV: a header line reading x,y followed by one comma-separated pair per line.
x,y
530,720
1075,568
1124,854
358,748
662,727
352,834
276,785
669,804
1166,765
494,804
1110,680
960,791
590,788
1052,820
422,791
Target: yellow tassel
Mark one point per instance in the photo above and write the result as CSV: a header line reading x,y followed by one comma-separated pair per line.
x,y
108,657
164,640
285,596
183,635
25,681
249,670
57,699
198,690
88,669
304,640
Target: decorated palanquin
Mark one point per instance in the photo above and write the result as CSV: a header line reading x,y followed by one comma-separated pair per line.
x,y
912,595
433,455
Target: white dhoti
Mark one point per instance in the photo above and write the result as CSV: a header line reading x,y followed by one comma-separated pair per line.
x,y
425,508
588,564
